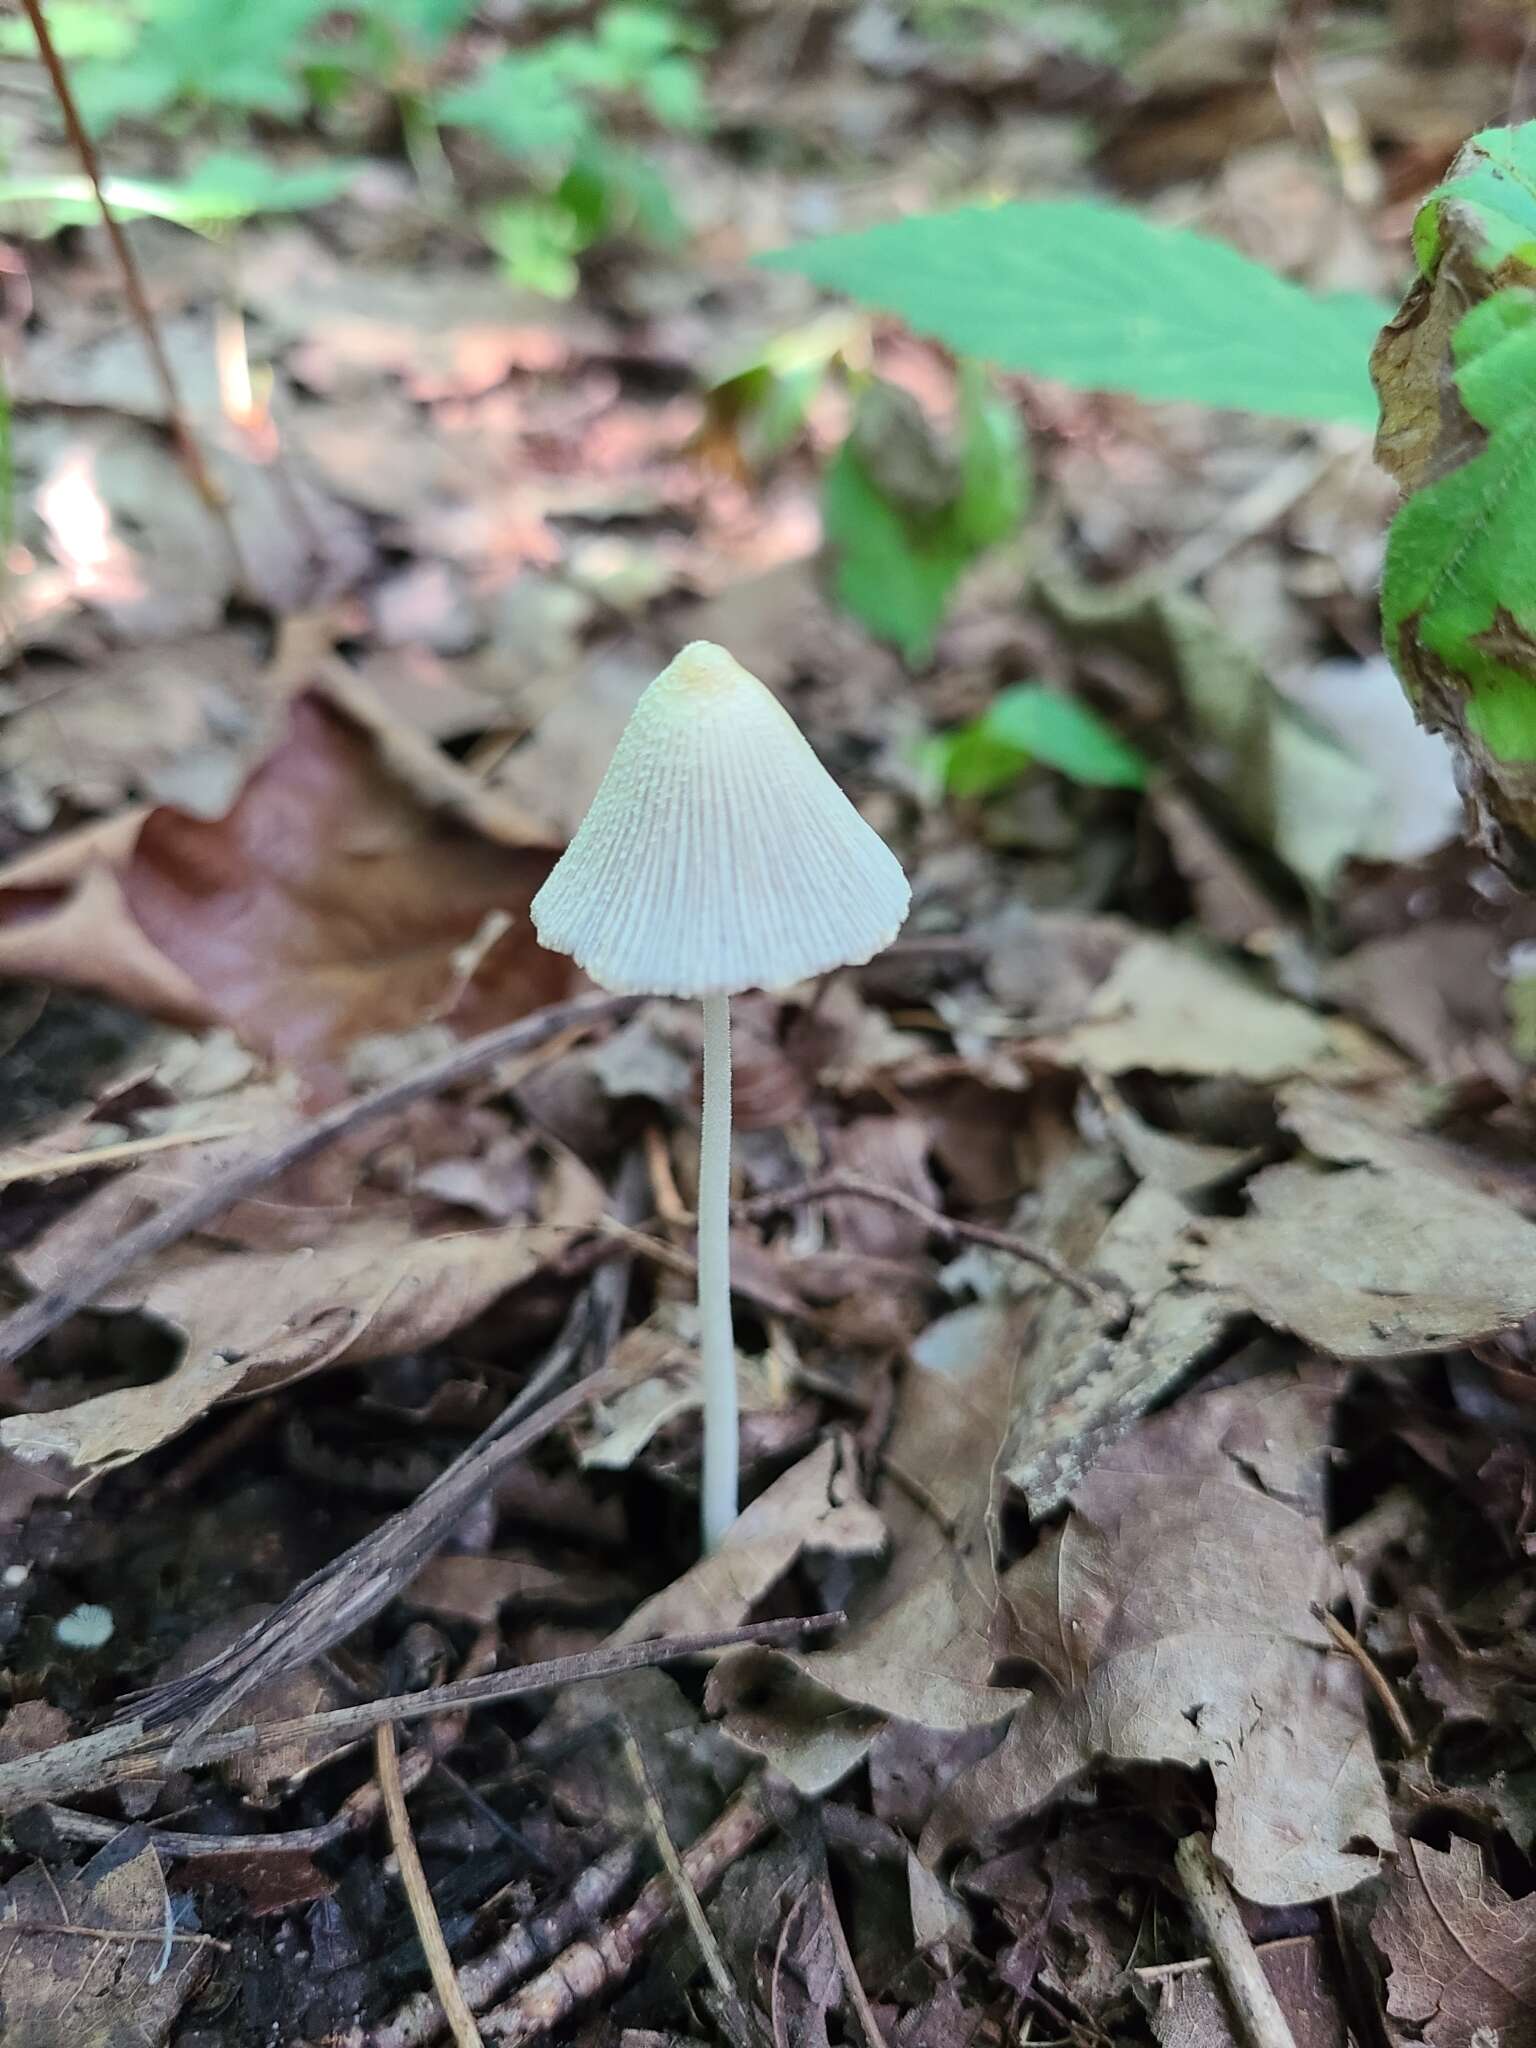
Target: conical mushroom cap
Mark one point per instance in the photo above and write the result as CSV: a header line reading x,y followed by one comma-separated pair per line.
x,y
718,853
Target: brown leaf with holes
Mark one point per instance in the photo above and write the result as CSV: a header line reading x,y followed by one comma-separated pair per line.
x,y
361,883
1172,1620
126,1984
254,1322
1461,1952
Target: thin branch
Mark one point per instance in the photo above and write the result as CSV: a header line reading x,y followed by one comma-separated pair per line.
x,y
830,1186
1255,2008
853,1986
687,1896
461,2021
91,1278
91,1762
1374,1677
157,1935
127,1152
133,283
588,1969
525,1945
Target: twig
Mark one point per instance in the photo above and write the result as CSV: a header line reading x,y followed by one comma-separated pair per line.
x,y
1157,1973
1373,1674
853,1987
522,1948
19,1166
133,283
1260,2022
830,1186
87,1764
587,1969
687,1896
461,2021
157,1935
34,1319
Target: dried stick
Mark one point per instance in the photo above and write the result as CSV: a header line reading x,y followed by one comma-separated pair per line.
x,y
687,1897
89,1763
1260,2022
1109,1302
847,1969
461,2021
1374,1677
34,1319
587,1969
420,2020
133,284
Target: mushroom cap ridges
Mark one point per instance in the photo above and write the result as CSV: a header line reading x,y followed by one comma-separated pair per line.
x,y
718,853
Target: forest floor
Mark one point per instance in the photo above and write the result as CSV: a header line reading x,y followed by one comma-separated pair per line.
x,y
1162,1423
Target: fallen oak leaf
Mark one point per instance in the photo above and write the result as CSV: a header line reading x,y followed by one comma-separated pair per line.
x,y
1461,1952
254,1323
361,883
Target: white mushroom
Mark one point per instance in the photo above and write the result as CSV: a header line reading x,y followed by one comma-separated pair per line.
x,y
718,855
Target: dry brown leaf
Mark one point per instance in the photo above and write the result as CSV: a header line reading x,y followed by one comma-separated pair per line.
x,y
361,883
1371,1261
1171,1617
1192,2013
1084,1385
88,1989
916,1645
1178,1009
815,1505
254,1322
1461,1951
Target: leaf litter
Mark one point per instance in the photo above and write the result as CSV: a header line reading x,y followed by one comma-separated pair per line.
x,y
1175,1544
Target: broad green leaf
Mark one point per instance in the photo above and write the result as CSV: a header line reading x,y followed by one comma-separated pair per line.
x,y
526,105
1029,723
906,516
888,573
1459,594
1100,298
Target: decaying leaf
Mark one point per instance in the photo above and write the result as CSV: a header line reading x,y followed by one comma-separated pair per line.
x,y
1171,1618
59,1982
1375,1260
360,883
1192,2012
916,1645
255,1322
1179,1009
1461,1952
1082,1385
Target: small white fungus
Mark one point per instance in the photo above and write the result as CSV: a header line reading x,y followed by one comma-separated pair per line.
x,y
85,1628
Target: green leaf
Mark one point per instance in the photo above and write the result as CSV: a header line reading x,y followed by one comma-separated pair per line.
x,y
1104,300
1459,594
888,573
538,241
994,465
526,106
1028,723
1492,188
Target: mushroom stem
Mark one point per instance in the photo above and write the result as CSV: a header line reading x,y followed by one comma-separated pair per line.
x,y
717,1342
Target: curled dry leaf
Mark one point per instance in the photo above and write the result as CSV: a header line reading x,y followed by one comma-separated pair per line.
x,y
254,1322
1171,1618
1461,1952
360,883
95,1991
